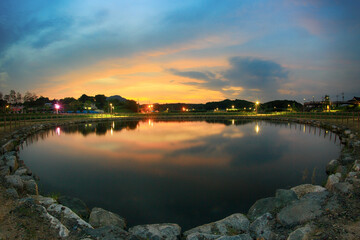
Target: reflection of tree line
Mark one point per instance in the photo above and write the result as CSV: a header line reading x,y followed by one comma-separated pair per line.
x,y
229,122
101,128
305,175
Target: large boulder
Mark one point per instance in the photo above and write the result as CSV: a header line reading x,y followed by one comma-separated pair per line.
x,y
342,187
15,181
109,233
4,170
332,179
205,236
301,233
11,192
31,187
272,204
100,218
44,201
165,231
232,225
54,223
12,162
332,166
302,211
70,219
76,205
261,227
9,146
304,189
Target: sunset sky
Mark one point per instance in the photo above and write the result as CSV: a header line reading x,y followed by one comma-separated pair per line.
x,y
181,51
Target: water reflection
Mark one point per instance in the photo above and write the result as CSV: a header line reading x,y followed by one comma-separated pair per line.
x,y
189,172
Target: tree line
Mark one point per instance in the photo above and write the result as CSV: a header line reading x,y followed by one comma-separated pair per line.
x,y
30,102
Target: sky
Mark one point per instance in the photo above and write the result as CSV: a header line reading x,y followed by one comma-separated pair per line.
x,y
191,51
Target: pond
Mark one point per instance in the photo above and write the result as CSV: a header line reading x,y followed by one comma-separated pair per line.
x,y
185,172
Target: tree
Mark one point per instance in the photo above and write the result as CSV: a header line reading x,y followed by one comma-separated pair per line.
x,y
18,98
30,97
85,98
100,101
1,96
12,98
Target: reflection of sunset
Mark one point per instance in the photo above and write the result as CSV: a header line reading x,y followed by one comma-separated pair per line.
x,y
149,145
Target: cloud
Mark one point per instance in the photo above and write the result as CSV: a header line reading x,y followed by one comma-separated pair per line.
x,y
244,73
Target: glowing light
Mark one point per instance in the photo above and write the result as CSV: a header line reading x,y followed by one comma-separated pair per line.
x,y
111,132
184,109
257,129
151,123
113,124
57,106
257,103
233,121
58,131
232,106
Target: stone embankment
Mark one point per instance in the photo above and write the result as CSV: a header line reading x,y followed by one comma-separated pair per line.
x,y
302,212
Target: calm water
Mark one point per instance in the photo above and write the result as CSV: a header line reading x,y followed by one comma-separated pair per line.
x,y
189,172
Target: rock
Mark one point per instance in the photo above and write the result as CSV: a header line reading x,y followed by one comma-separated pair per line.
x,y
205,236
285,196
14,181
55,223
347,160
271,204
332,166
26,177
21,171
264,205
70,219
45,201
342,187
236,237
12,163
100,218
261,227
352,174
304,189
300,212
31,187
165,231
76,205
333,204
110,233
301,233
356,166
332,179
347,132
9,146
11,192
234,224
4,171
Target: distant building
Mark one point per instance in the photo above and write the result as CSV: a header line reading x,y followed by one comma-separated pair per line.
x,y
354,101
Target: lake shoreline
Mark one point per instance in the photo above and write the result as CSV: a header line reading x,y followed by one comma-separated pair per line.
x,y
274,221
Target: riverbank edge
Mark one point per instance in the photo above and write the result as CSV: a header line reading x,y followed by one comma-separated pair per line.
x,y
14,172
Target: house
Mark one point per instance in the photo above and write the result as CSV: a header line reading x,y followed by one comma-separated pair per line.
x,y
354,101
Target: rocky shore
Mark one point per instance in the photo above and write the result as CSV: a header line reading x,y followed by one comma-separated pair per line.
x,y
302,212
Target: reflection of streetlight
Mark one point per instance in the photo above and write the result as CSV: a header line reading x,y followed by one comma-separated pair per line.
x,y
257,129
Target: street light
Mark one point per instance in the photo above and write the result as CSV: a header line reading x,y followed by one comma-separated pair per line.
x,y
111,108
256,106
57,107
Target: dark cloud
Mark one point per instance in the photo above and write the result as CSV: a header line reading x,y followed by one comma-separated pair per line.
x,y
245,72
254,73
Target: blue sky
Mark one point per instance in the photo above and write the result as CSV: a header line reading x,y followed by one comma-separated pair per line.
x,y
181,51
